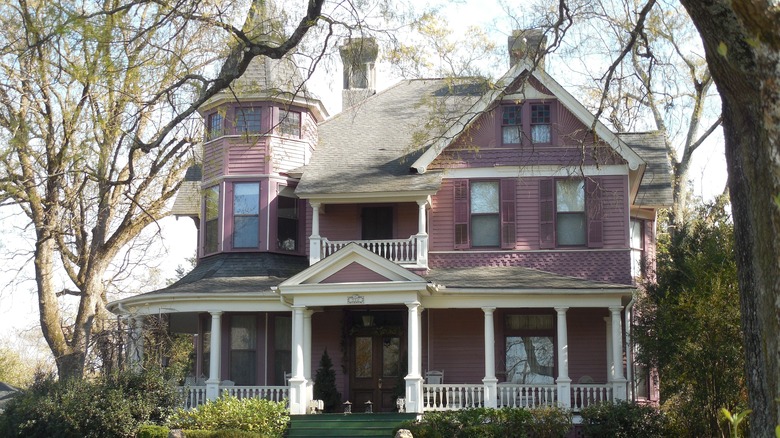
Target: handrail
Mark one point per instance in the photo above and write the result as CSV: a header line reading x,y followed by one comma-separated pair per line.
x,y
402,251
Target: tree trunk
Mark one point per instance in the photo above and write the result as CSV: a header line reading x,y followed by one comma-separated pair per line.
x,y
742,44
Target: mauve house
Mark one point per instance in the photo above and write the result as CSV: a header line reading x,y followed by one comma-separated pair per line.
x,y
451,244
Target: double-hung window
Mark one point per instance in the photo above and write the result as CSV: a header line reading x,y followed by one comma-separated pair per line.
x,y
512,124
215,126
541,128
247,121
484,213
290,123
636,240
211,225
570,226
243,349
287,223
530,350
246,215
526,122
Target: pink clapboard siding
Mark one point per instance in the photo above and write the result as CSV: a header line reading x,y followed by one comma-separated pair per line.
x,y
246,157
354,273
456,344
343,221
326,334
587,338
213,159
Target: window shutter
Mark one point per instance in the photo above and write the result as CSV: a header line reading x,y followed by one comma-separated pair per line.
x,y
508,189
593,191
460,207
546,214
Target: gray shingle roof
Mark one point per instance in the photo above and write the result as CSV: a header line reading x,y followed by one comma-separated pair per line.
x,y
512,277
187,202
238,272
656,187
370,148
269,76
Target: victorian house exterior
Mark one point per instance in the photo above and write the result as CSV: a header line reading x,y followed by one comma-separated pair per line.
x,y
448,243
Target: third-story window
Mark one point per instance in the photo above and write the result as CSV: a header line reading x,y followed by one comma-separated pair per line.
x,y
485,220
570,212
512,124
211,232
287,223
290,123
247,121
214,128
246,211
540,123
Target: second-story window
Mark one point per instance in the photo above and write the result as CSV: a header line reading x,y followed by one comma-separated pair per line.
x,y
211,225
541,131
485,223
215,126
290,123
246,211
636,241
512,124
247,121
287,223
570,212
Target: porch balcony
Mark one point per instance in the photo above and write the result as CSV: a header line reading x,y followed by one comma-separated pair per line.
x,y
405,252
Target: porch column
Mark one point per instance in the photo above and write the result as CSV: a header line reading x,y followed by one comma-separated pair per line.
x,y
307,353
315,241
563,381
422,235
610,364
215,355
414,378
490,381
619,382
135,344
298,392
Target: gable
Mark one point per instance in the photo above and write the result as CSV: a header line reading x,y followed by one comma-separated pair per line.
x,y
355,273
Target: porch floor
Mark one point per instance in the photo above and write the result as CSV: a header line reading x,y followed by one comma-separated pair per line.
x,y
341,425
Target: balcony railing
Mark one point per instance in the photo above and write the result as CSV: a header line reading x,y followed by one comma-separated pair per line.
x,y
584,395
193,396
526,396
401,251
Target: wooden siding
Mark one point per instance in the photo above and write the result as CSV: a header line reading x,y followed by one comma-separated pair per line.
x,y
587,344
213,159
343,221
326,334
457,344
354,273
441,234
246,157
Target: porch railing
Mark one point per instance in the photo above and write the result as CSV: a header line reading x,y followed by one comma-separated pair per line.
x,y
194,396
445,397
526,396
402,251
584,395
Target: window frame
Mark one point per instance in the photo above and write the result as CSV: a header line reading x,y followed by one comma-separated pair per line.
x,y
526,122
239,116
462,218
285,128
298,233
496,214
582,213
526,332
637,253
213,132
246,215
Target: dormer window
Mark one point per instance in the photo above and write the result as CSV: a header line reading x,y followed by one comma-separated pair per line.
x,y
527,123
290,123
512,124
215,126
211,225
540,124
246,215
247,121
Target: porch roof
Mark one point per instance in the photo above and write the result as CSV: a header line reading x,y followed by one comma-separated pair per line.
x,y
515,278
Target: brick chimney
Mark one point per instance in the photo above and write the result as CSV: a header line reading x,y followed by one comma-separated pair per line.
x,y
526,44
358,55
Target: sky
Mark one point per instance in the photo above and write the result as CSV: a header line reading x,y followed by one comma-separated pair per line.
x,y
18,305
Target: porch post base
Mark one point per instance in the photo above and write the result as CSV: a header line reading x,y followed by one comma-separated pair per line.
x,y
414,394
299,395
212,389
564,392
491,392
619,390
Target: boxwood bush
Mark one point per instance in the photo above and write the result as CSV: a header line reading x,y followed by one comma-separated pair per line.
x,y
113,406
623,419
250,414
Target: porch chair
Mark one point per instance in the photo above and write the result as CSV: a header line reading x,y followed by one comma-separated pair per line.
x,y
227,383
434,377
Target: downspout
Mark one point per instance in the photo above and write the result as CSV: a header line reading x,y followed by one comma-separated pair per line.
x,y
628,317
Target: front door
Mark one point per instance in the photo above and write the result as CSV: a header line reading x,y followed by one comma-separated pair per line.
x,y
376,370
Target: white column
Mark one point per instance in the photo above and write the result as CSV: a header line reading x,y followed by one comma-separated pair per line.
x,y
563,381
610,364
307,354
135,345
298,392
490,381
422,235
619,391
315,245
215,356
414,378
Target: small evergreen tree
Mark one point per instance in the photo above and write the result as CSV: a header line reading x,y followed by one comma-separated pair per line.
x,y
325,384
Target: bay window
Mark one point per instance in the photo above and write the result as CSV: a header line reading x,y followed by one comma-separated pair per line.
x,y
246,211
290,123
214,126
248,121
211,225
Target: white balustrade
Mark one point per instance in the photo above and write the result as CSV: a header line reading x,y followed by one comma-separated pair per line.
x,y
446,397
193,396
526,396
402,251
584,395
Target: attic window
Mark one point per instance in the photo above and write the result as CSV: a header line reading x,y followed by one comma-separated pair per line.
x,y
247,120
512,124
540,123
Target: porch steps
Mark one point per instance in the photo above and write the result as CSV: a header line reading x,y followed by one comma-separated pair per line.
x,y
352,425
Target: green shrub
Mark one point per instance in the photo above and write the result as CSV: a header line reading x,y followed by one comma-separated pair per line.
x,y
227,412
492,423
549,422
152,431
623,420
113,406
223,433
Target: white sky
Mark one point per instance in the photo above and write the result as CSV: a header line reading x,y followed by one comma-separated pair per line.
x,y
18,305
